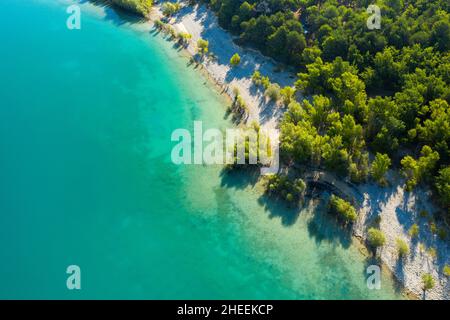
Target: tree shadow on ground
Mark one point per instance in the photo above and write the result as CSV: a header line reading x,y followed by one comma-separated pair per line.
x,y
399,269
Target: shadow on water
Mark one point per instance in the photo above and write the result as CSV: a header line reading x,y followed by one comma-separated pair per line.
x,y
324,227
278,208
116,14
239,178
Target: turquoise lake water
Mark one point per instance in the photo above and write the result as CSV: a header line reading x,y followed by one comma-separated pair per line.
x,y
86,178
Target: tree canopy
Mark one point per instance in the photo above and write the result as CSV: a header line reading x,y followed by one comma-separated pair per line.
x,y
382,92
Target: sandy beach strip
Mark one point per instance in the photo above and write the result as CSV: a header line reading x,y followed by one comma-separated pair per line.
x,y
201,23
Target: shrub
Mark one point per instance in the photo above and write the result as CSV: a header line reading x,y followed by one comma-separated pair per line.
x,y
265,81
184,37
288,95
169,8
171,30
159,24
421,247
414,231
446,270
273,92
256,78
289,190
239,107
376,238
432,252
428,282
342,208
203,46
402,247
235,60
380,167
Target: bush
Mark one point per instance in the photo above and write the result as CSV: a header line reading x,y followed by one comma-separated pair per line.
x,y
169,8
235,60
446,270
239,107
159,24
273,92
184,38
402,248
414,231
428,282
203,46
288,95
256,78
342,208
376,238
289,190
380,167
432,252
265,81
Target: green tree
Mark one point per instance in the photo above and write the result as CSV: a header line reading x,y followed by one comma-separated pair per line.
x,y
379,167
446,270
440,34
184,38
273,92
203,46
235,60
417,170
288,95
295,44
342,208
414,231
428,282
402,247
443,187
169,8
376,238
310,54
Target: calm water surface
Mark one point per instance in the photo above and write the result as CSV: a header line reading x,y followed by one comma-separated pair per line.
x,y
86,178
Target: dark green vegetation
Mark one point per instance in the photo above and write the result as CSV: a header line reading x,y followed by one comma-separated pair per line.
x,y
343,209
380,91
291,190
402,248
428,282
141,7
376,238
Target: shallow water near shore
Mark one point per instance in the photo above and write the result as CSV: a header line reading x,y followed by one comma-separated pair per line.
x,y
86,178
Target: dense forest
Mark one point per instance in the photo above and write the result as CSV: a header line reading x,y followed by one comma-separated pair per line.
x,y
375,98
141,7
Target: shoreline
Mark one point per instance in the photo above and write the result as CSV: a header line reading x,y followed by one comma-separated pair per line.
x,y
410,278
192,19
388,208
